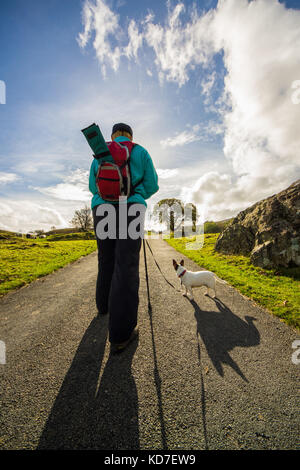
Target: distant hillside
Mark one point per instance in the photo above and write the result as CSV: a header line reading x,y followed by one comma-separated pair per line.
x,y
71,236
62,230
216,227
53,235
58,233
6,234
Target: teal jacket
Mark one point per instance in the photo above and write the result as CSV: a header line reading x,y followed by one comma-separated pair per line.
x,y
141,167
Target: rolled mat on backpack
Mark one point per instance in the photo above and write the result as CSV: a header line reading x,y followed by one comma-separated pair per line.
x,y
97,143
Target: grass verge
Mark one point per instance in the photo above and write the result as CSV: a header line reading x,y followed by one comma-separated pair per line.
x,y
276,290
22,261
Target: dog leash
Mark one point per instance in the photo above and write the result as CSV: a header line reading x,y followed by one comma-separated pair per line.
x,y
170,284
147,280
157,378
149,305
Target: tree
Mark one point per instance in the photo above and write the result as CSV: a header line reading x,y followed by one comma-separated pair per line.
x,y
172,211
82,219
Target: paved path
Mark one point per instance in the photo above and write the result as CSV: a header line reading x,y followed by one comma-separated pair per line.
x,y
207,374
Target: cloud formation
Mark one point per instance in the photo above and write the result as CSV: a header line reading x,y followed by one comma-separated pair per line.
x,y
59,203
6,178
183,138
242,58
260,41
73,188
22,216
99,18
256,111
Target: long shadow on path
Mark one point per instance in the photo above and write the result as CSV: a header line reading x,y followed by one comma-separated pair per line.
x,y
221,331
92,415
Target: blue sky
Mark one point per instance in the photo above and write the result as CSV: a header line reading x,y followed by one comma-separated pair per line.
x,y
192,78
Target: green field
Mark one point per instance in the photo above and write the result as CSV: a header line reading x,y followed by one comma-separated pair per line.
x,y
24,260
276,290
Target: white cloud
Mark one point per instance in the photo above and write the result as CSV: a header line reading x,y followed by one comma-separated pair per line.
x,y
179,48
261,43
261,135
261,127
208,83
204,132
99,18
135,41
65,191
217,196
6,178
166,173
22,216
74,187
183,138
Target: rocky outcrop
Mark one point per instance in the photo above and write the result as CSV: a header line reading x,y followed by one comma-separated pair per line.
x,y
268,231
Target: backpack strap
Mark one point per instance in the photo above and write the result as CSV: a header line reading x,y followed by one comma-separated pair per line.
x,y
106,153
133,186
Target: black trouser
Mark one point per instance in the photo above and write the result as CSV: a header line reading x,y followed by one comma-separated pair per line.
x,y
118,279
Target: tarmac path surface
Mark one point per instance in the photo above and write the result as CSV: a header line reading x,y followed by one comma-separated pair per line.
x,y
203,374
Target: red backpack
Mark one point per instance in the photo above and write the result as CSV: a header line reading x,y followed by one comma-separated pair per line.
x,y
113,179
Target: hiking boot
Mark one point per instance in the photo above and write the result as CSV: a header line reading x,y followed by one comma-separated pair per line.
x,y
116,348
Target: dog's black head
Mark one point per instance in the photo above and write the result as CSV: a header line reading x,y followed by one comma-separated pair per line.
x,y
175,264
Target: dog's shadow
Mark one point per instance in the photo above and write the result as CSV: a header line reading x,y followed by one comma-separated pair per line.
x,y
221,331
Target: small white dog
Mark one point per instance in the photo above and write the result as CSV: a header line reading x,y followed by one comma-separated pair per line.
x,y
190,279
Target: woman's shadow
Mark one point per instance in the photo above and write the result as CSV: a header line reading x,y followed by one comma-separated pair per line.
x,y
221,331
92,412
